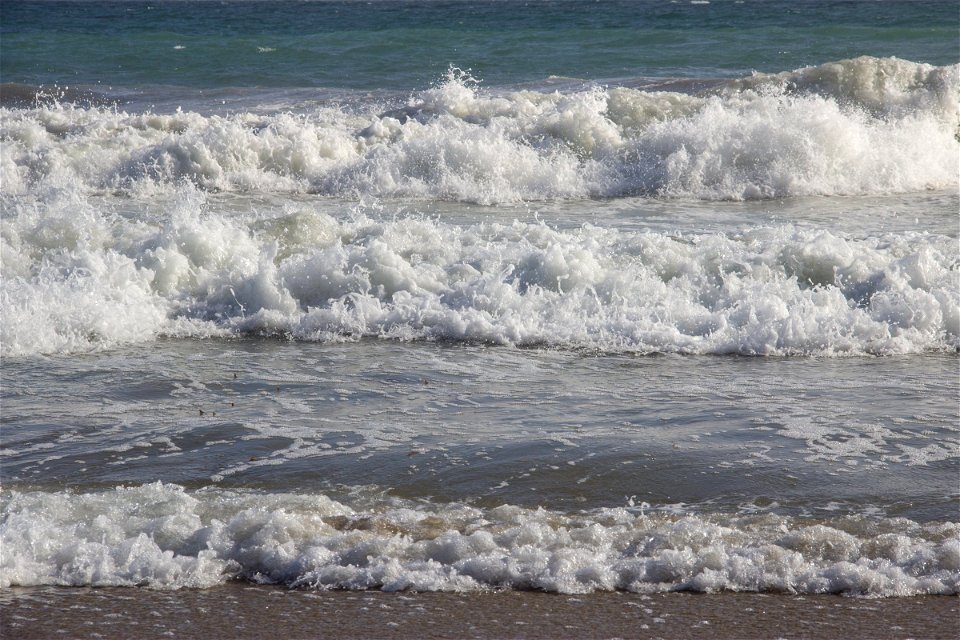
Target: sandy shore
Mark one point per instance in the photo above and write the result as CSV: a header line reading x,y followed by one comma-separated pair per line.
x,y
247,611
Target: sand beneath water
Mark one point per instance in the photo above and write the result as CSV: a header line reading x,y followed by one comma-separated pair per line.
x,y
249,611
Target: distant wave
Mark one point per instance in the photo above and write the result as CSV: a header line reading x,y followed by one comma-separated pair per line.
x,y
882,85
164,537
862,126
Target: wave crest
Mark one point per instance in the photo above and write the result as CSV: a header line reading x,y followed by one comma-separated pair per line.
x,y
75,279
163,537
862,126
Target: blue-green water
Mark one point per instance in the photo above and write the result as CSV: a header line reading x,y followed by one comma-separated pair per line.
x,y
402,44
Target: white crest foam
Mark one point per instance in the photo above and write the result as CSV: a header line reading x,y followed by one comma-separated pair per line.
x,y
862,126
77,278
162,536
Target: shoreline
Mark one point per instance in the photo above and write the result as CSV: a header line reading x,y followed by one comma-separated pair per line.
x,y
244,610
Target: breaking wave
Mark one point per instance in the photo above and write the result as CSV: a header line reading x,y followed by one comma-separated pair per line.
x,y
862,126
162,536
76,278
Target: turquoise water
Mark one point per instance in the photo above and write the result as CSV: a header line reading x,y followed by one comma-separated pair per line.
x,y
402,44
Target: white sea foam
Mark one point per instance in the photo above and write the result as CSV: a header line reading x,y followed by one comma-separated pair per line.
x,y
83,272
882,85
162,536
77,278
860,126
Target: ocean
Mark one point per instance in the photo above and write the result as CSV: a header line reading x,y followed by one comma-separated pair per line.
x,y
479,297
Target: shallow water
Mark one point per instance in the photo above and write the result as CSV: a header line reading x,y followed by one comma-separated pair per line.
x,y
448,422
834,474
256,612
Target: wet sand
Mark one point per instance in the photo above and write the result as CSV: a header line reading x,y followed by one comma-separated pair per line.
x,y
248,611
